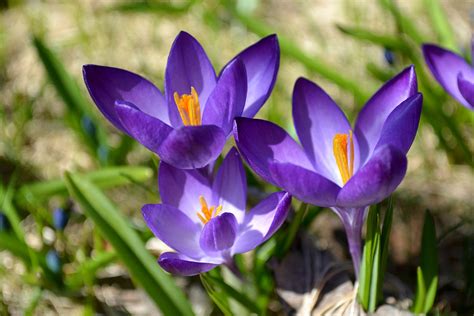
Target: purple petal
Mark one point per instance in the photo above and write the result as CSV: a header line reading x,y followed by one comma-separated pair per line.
x,y
178,264
401,125
182,188
219,233
174,228
445,67
262,221
376,180
261,142
191,147
305,184
148,130
188,66
262,61
108,84
228,98
467,90
372,117
317,120
230,186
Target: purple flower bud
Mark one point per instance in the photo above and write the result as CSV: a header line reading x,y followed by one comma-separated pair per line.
x,y
53,261
60,218
4,223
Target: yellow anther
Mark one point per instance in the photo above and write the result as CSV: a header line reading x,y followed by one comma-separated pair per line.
x,y
188,107
207,213
344,155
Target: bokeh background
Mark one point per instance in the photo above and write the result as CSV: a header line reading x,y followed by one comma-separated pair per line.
x,y
321,40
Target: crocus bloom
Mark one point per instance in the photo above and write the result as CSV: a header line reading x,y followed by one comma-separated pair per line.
x,y
452,72
205,220
187,126
337,166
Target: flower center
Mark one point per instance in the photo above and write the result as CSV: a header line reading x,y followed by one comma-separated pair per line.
x,y
207,212
188,107
342,150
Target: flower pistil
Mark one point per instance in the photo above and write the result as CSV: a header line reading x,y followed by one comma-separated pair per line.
x,y
188,107
342,150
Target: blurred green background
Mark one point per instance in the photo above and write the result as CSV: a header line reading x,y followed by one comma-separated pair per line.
x,y
49,125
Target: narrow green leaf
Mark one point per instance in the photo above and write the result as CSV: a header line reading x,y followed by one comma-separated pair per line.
x,y
374,279
90,267
71,94
144,6
419,302
130,249
103,178
384,242
441,24
291,49
241,298
392,42
286,243
429,260
217,297
10,212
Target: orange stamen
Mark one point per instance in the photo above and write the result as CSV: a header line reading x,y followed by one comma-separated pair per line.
x,y
188,108
344,163
207,213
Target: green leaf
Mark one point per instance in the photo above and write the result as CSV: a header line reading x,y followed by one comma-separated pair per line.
x,y
441,24
130,249
229,291
103,178
418,304
70,93
291,49
153,7
374,279
10,212
90,267
429,260
286,243
217,297
383,40
384,242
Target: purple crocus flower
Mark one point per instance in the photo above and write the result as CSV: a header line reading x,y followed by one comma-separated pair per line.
x,y
337,166
205,220
452,72
187,126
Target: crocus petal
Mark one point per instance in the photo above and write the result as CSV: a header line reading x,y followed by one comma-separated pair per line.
x,y
191,147
148,130
373,115
174,228
262,221
376,180
445,67
108,84
317,120
219,233
262,61
305,184
228,98
182,188
230,186
178,264
188,66
401,125
261,142
466,88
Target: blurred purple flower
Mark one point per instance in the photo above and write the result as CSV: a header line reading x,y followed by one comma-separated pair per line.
x,y
452,72
188,125
335,166
205,220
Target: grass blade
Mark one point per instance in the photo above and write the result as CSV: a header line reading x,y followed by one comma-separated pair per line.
x,y
103,178
130,249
